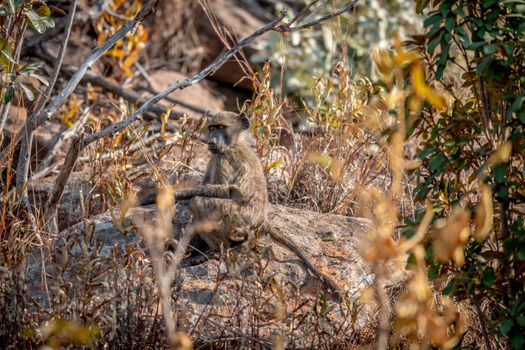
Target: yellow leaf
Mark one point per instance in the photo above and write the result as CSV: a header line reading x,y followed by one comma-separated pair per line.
x,y
333,165
273,165
421,88
484,215
450,236
501,155
384,61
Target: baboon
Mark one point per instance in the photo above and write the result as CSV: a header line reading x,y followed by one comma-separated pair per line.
x,y
233,191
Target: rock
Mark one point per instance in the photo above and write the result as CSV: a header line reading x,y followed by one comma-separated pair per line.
x,y
70,208
239,23
201,95
95,268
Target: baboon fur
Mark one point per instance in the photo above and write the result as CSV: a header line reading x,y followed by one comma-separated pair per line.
x,y
233,192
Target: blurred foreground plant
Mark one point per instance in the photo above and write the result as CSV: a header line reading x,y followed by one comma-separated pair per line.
x,y
419,317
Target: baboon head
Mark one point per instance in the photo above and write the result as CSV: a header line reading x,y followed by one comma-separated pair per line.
x,y
225,130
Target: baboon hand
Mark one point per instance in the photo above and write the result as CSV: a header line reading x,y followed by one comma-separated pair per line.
x,y
236,194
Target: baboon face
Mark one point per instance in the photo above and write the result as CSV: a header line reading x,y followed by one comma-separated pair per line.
x,y
224,130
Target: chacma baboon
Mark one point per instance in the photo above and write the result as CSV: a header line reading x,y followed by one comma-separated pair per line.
x,y
233,191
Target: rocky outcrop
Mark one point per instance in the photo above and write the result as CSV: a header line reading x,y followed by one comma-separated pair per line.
x,y
256,291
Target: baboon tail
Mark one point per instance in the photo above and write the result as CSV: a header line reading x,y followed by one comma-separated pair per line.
x,y
269,229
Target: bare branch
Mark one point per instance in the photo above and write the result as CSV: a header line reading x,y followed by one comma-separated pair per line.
x,y
70,132
60,183
286,27
181,84
128,94
24,157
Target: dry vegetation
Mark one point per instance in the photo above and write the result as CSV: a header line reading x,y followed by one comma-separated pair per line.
x,y
344,147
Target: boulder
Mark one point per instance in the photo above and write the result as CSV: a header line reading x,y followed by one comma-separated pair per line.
x,y
201,95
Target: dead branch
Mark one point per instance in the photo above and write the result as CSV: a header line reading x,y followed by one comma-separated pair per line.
x,y
24,157
276,25
129,95
60,183
172,100
70,132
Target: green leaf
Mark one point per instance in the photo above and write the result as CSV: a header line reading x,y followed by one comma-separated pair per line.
x,y
505,326
485,62
517,341
9,94
521,253
459,11
43,11
40,78
500,172
436,161
9,7
433,44
489,49
445,7
449,288
489,3
450,23
7,55
488,277
432,20
27,91
421,5
425,152
40,24
475,45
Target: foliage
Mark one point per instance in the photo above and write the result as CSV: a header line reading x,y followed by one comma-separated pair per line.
x,y
326,163
313,53
17,79
473,155
126,52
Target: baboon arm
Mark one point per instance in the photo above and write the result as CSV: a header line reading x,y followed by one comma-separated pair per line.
x,y
224,191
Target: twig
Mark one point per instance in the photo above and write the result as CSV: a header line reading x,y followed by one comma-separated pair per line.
x,y
24,157
239,334
165,275
149,88
175,101
73,130
80,17
288,28
483,324
3,116
181,84
383,329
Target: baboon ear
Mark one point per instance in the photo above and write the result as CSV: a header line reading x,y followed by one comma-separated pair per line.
x,y
245,122
208,115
